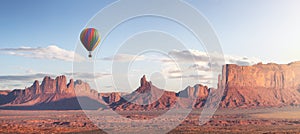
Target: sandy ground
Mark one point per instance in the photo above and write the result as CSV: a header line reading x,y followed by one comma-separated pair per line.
x,y
259,120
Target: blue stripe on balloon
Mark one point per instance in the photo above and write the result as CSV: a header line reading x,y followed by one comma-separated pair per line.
x,y
86,39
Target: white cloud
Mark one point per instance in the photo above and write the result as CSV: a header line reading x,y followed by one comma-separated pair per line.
x,y
50,53
196,67
199,56
23,78
187,64
183,66
6,87
124,58
188,56
242,61
199,67
87,76
9,82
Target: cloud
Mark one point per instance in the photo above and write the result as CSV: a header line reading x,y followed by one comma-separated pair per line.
x,y
87,76
195,66
49,53
20,81
39,76
6,87
187,64
199,56
242,61
198,67
175,71
24,78
9,82
188,56
124,58
194,76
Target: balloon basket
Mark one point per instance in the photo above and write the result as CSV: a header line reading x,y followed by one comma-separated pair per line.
x,y
90,54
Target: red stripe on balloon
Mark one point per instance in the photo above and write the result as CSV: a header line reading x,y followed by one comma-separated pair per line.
x,y
86,38
90,37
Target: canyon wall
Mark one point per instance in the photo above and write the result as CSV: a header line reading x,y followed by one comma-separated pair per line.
x,y
261,85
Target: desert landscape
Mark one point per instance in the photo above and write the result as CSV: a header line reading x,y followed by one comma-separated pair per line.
x,y
260,120
150,67
263,98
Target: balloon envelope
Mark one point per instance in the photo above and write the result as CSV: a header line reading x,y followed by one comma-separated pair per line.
x,y
90,38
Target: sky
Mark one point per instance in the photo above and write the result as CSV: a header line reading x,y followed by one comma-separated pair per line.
x,y
40,38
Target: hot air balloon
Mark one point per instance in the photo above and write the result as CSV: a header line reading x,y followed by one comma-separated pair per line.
x,y
90,39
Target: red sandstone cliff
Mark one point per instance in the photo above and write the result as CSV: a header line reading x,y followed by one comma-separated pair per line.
x,y
146,97
245,86
261,85
53,94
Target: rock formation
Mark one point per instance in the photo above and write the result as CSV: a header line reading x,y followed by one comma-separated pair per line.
x,y
111,97
198,91
244,86
52,93
146,97
193,97
4,92
261,85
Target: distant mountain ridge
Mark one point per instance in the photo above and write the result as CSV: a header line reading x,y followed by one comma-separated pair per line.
x,y
51,94
245,86
58,93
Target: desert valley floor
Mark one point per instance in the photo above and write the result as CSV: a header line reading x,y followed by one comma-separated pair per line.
x,y
258,120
